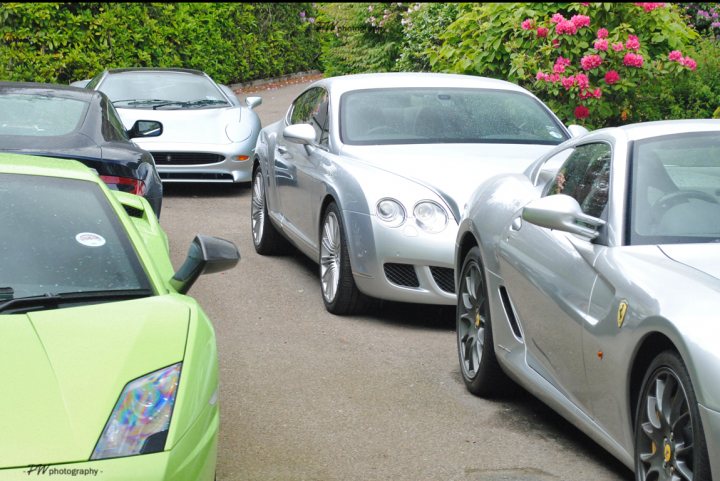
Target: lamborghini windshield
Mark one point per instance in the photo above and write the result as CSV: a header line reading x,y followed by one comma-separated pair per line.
x,y
61,236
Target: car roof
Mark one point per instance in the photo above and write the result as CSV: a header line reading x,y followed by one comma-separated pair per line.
x,y
346,83
48,89
45,166
155,69
644,130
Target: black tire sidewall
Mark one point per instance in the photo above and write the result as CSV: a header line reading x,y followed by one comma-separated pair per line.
x,y
672,361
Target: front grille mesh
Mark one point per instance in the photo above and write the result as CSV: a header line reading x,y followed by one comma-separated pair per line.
x,y
186,158
402,275
444,277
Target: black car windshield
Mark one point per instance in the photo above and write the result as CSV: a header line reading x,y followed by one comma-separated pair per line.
x,y
162,90
445,115
674,189
61,236
39,115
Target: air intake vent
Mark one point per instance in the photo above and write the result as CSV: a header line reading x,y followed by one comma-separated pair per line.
x,y
510,312
402,275
185,158
444,278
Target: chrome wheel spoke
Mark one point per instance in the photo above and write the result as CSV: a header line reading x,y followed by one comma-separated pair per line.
x,y
330,253
257,212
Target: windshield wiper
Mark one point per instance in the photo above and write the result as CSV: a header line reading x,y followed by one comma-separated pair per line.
x,y
52,301
200,102
141,101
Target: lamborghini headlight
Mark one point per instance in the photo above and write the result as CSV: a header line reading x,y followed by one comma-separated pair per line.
x,y
140,420
430,217
391,212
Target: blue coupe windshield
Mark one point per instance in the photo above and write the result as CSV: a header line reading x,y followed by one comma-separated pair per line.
x,y
61,236
675,187
445,115
38,115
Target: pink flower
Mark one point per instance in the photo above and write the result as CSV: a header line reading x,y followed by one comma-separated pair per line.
x,y
557,18
597,93
633,43
542,32
554,78
581,112
528,24
618,47
582,81
567,82
541,75
675,56
566,62
602,33
559,68
590,62
689,63
612,77
580,21
566,27
601,44
649,6
633,60
555,43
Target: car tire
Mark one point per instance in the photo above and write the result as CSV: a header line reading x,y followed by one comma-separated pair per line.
x,y
479,366
669,438
266,238
339,292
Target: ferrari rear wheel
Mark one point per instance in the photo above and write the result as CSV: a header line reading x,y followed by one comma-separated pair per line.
x,y
479,366
266,239
340,294
669,439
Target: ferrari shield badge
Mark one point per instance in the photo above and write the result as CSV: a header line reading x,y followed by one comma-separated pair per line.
x,y
622,310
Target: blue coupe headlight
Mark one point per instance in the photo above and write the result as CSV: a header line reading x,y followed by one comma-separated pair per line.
x,y
430,217
141,419
391,212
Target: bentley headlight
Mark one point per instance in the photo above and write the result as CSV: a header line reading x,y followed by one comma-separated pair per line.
x,y
430,217
141,419
391,212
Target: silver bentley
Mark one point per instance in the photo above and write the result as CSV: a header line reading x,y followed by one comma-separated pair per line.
x,y
367,175
593,281
208,135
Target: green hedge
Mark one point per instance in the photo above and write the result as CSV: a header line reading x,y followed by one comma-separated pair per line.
x,y
232,42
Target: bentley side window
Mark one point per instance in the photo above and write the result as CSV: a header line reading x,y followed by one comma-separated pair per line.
x,y
585,176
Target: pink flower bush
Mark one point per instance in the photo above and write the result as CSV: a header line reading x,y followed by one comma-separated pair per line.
x,y
581,112
590,62
582,80
566,27
542,32
568,82
557,18
689,63
527,24
580,21
612,77
601,44
618,47
649,6
633,60
603,33
633,43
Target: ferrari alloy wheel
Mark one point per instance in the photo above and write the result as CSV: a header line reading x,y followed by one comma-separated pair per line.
x,y
669,439
266,238
339,292
479,366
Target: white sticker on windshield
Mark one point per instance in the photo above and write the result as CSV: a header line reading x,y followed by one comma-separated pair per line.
x,y
89,239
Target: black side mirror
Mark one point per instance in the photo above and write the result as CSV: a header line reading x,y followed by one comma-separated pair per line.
x,y
205,256
145,128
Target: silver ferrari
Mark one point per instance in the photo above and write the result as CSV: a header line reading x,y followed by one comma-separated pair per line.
x,y
593,281
367,175
208,135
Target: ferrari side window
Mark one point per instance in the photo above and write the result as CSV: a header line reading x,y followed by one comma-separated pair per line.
x,y
585,176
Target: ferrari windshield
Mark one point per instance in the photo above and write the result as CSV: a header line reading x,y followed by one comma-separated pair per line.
x,y
675,189
39,115
161,90
445,115
62,236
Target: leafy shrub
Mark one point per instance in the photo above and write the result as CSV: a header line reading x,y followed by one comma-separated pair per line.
x,y
232,42
423,24
553,50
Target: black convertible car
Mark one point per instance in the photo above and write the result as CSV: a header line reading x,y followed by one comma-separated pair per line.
x,y
80,124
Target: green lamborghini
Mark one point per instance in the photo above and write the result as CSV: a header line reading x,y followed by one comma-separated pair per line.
x,y
107,368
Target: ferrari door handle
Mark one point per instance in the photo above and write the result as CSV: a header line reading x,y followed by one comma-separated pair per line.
x,y
516,224
281,150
